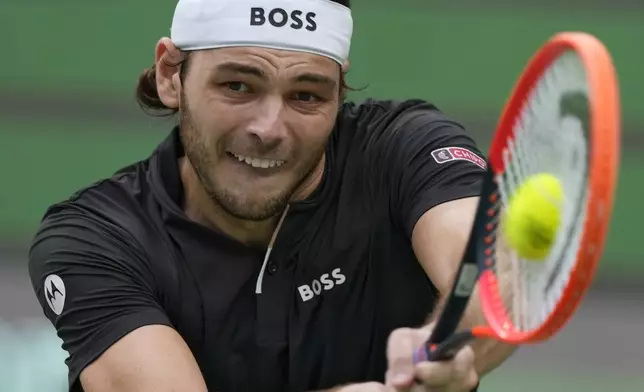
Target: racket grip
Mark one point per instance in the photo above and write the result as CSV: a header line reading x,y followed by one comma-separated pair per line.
x,y
445,350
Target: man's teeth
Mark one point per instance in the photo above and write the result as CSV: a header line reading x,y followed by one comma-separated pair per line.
x,y
259,163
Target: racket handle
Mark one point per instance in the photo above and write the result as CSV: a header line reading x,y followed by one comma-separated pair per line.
x,y
445,350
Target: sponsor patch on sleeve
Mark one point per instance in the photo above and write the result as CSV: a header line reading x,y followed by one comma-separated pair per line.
x,y
447,154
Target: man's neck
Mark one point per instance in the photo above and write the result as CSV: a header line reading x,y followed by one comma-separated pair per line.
x,y
200,207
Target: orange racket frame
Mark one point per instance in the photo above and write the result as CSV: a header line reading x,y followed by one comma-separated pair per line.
x,y
604,134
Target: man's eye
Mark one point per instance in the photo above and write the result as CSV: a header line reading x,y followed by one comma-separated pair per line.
x,y
307,97
238,87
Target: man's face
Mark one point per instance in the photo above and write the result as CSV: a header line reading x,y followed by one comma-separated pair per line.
x,y
255,124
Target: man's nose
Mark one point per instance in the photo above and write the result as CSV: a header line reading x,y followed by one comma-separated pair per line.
x,y
267,126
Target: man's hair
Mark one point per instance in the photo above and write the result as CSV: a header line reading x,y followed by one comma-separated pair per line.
x,y
148,98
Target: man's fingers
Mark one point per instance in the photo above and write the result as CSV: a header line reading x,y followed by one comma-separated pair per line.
x,y
464,367
459,369
400,350
365,387
434,374
464,360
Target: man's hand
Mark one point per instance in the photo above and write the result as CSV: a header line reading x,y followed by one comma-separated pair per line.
x,y
362,387
455,375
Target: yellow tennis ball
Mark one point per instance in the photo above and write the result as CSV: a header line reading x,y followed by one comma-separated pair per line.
x,y
533,215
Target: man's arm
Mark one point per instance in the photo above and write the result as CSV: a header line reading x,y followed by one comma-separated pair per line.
x,y
439,240
362,387
98,290
434,175
152,358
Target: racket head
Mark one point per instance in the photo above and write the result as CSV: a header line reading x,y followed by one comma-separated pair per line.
x,y
585,54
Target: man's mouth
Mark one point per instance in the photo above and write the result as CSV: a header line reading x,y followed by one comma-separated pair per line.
x,y
259,163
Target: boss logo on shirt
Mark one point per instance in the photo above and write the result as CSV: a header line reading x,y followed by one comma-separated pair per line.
x,y
326,283
278,17
447,154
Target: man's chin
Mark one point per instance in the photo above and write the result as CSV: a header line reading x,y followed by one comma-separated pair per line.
x,y
261,198
255,210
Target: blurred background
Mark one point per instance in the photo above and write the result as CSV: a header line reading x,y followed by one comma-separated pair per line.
x,y
68,118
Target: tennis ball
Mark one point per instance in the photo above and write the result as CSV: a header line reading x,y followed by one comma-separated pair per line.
x,y
533,215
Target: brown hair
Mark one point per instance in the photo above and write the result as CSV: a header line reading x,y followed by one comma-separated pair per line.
x,y
147,95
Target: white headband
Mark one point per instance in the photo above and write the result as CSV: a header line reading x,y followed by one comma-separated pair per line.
x,y
321,27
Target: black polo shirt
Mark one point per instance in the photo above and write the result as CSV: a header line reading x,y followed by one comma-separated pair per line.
x,y
121,254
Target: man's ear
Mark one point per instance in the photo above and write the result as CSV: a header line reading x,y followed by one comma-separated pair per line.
x,y
345,66
168,63
343,89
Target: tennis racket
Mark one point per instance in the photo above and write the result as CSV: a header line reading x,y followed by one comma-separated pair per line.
x,y
562,118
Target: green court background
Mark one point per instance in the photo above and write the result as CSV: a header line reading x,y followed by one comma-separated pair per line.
x,y
67,118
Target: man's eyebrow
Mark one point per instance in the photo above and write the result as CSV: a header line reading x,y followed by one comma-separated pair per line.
x,y
315,78
241,68
308,77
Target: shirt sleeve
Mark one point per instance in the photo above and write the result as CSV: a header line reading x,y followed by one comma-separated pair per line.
x,y
93,285
431,160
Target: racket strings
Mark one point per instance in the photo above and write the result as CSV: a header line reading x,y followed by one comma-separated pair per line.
x,y
545,141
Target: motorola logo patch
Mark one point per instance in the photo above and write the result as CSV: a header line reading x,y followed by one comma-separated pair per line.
x,y
55,293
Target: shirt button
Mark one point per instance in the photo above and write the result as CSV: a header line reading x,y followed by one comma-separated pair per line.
x,y
272,268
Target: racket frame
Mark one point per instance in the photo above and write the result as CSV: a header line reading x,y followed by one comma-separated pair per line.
x,y
604,134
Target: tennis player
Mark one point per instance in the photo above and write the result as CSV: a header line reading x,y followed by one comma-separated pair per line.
x,y
280,238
